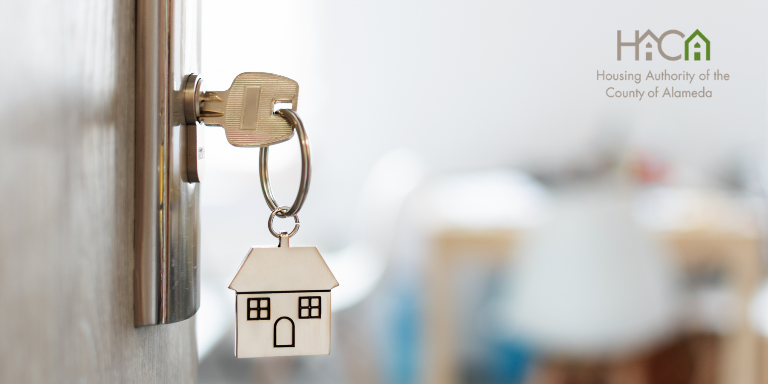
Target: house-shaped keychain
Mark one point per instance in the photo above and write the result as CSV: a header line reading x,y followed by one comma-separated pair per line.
x,y
283,302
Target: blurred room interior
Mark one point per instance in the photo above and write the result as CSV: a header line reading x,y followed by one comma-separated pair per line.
x,y
490,216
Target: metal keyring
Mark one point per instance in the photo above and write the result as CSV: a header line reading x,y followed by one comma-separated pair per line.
x,y
276,212
306,169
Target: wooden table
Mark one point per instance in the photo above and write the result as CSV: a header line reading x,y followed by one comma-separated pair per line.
x,y
735,254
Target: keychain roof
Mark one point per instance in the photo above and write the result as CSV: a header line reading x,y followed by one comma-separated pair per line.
x,y
283,269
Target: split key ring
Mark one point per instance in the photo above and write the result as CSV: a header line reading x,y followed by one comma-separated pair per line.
x,y
306,169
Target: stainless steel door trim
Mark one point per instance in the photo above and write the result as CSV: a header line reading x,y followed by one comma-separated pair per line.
x,y
151,98
167,231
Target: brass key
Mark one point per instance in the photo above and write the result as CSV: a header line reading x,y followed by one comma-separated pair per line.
x,y
247,109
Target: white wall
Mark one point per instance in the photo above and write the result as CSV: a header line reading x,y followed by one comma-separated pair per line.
x,y
467,85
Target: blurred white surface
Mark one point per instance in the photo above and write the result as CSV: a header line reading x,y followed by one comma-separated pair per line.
x,y
485,84
497,198
758,309
360,266
212,319
664,208
591,282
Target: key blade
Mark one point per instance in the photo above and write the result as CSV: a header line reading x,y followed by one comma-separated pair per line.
x,y
213,104
246,109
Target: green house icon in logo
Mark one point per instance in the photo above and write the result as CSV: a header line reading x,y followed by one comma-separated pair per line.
x,y
697,46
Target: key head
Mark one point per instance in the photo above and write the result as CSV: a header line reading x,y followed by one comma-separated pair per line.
x,y
246,109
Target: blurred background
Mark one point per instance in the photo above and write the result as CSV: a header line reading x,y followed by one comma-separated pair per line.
x,y
491,216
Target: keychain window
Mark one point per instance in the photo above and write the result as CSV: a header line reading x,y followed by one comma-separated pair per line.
x,y
258,308
309,307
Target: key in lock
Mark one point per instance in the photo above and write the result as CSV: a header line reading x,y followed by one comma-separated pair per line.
x,y
246,110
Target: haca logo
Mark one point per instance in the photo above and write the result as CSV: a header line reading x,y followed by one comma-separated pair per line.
x,y
692,44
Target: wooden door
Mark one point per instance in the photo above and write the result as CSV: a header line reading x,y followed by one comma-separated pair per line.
x,y
67,202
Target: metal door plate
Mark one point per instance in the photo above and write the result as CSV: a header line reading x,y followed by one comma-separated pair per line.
x,y
167,221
